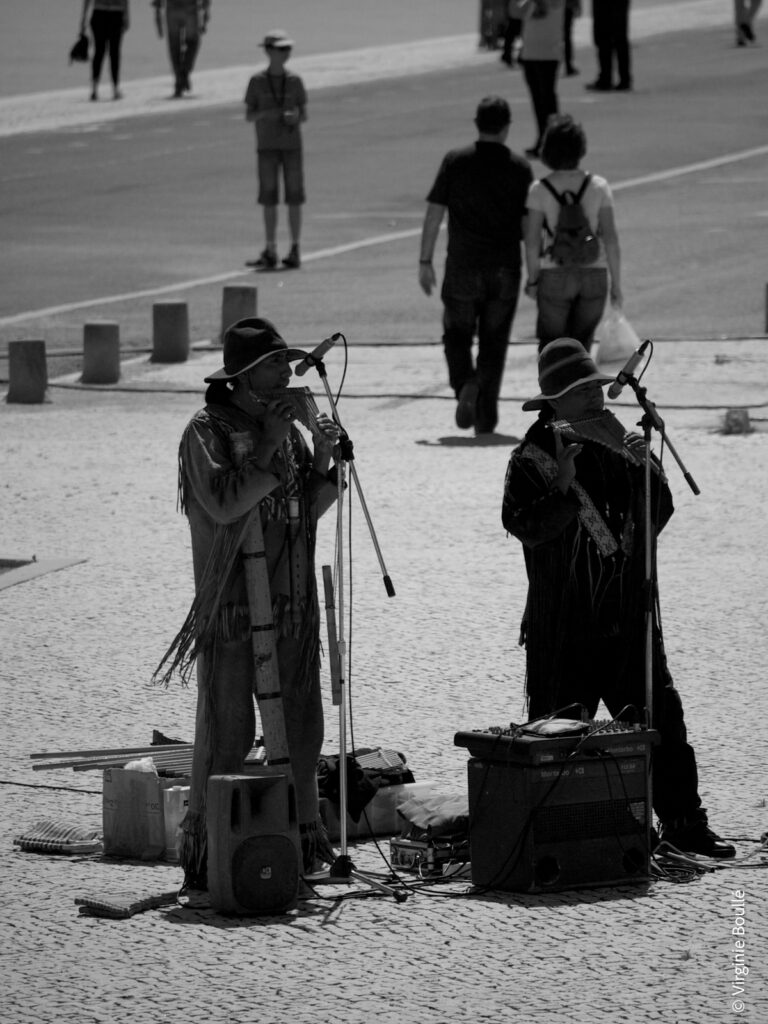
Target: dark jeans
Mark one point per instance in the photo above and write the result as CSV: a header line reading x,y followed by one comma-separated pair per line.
x,y
107,29
482,301
183,42
610,30
596,672
570,303
541,79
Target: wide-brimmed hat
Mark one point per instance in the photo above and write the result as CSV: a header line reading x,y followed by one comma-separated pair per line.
x,y
249,342
277,40
564,364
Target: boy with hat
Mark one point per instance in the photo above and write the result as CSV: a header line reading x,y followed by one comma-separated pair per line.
x,y
579,511
241,457
276,103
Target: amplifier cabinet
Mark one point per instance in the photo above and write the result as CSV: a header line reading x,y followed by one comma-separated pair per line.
x,y
565,824
254,850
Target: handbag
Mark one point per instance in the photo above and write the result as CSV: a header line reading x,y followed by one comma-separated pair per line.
x,y
79,51
618,338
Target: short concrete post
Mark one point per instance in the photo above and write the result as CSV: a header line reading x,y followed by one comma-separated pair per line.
x,y
170,332
238,302
101,353
27,372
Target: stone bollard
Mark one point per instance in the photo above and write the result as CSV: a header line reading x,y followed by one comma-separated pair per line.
x,y
170,332
101,353
737,422
27,372
238,302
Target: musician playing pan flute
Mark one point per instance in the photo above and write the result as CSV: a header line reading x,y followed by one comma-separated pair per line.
x,y
574,495
244,467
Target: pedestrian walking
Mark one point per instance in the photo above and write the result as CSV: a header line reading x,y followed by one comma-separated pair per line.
x,y
578,507
543,35
572,268
482,189
109,21
276,103
185,23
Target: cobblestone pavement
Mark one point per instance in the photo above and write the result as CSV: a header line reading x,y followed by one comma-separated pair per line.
x,y
92,473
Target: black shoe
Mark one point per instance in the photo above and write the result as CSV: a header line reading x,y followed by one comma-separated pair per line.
x,y
186,84
598,86
698,838
465,410
746,31
267,261
623,87
292,261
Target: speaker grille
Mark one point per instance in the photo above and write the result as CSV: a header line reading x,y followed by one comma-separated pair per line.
x,y
589,820
265,874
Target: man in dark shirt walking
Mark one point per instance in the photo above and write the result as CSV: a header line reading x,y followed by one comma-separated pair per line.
x,y
483,188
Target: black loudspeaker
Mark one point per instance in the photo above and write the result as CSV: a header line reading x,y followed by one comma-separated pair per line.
x,y
561,823
254,850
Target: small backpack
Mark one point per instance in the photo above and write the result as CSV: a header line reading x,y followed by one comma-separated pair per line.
x,y
574,243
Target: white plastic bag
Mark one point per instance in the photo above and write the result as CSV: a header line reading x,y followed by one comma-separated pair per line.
x,y
617,337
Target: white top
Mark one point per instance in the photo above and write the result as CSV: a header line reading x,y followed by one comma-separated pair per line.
x,y
596,195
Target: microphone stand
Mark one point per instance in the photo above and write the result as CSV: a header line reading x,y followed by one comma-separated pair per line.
x,y
342,870
652,421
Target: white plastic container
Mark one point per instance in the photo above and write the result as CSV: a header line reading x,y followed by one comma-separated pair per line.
x,y
175,805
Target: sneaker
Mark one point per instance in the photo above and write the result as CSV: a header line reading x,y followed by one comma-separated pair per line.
x,y
465,410
267,261
292,261
699,838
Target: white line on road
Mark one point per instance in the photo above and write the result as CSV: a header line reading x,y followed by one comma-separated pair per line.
x,y
363,243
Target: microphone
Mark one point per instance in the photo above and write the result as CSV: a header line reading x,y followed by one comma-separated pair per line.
x,y
313,358
629,368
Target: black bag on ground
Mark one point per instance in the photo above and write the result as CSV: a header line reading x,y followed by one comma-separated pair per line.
x,y
79,51
574,243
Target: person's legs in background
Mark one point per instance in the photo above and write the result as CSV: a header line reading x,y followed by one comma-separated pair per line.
x,y
620,38
115,40
496,313
190,47
601,35
541,79
100,35
295,197
461,293
175,22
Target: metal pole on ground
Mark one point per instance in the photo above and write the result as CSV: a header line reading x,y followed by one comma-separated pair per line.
x,y
101,353
238,302
170,332
27,372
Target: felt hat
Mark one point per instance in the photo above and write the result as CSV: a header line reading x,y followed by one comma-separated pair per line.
x,y
249,342
277,40
564,364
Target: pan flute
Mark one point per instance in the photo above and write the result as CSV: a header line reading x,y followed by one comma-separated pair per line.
x,y
301,399
602,428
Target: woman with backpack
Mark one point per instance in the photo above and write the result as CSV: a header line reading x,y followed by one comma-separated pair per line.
x,y
571,244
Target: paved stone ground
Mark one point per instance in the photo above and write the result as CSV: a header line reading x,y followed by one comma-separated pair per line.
x,y
92,473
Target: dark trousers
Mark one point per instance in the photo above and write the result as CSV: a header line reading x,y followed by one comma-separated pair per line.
x,y
599,670
183,42
610,29
107,29
568,38
541,79
479,301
